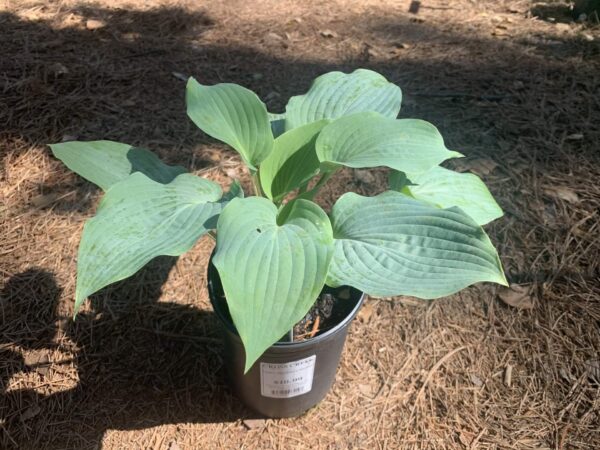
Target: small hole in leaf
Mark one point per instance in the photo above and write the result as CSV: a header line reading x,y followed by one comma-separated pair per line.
x,y
258,229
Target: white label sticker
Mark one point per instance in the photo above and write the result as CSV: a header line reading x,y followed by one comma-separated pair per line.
x,y
288,379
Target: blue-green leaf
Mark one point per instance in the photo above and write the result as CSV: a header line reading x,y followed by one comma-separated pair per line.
x,y
446,188
292,162
338,94
370,140
271,273
105,163
392,245
139,219
234,115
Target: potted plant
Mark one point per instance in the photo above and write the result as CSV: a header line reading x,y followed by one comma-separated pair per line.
x,y
281,263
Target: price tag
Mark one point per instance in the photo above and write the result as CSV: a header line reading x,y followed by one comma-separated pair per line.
x,y
288,379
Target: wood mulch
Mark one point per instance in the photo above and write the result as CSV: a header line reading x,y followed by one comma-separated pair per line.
x,y
141,367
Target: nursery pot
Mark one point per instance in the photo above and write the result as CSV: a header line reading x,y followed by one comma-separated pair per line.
x,y
290,377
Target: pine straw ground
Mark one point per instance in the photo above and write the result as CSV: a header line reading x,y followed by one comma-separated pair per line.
x,y
141,367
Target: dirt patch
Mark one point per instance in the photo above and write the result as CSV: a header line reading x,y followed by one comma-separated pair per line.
x,y
141,366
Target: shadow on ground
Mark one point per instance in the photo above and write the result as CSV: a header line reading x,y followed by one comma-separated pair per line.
x,y
138,363
124,82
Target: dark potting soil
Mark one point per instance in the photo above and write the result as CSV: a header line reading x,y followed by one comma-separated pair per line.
x,y
322,316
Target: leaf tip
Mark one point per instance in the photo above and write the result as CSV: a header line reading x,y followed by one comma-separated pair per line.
x,y
250,359
191,81
503,281
455,154
78,302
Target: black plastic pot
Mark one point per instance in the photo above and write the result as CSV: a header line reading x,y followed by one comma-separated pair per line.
x,y
290,377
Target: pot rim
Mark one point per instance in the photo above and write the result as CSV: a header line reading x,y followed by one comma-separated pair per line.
x,y
211,270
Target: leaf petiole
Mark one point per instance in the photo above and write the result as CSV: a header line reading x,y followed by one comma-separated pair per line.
x,y
256,184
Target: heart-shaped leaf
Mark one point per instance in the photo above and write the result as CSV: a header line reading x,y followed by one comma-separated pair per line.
x,y
370,140
394,245
139,219
292,162
234,115
272,272
338,94
105,163
446,188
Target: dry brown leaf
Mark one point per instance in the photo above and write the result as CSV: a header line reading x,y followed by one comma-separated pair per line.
x,y
95,24
476,380
564,193
328,34
466,438
35,357
41,201
517,296
480,166
252,424
364,176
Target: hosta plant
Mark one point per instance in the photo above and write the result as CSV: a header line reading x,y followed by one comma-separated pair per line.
x,y
277,248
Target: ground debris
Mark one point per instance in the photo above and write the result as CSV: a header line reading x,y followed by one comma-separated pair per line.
x,y
517,296
253,424
94,24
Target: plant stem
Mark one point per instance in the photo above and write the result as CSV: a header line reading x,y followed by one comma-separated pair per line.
x,y
212,234
324,179
303,188
256,184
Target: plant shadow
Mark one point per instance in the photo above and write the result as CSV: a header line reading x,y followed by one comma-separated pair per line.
x,y
138,363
